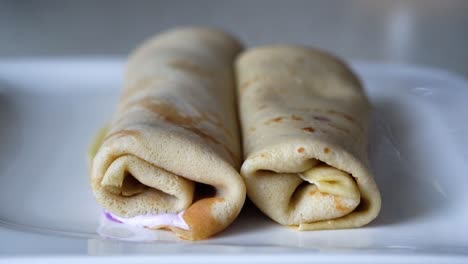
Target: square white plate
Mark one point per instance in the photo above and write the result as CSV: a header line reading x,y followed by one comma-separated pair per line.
x,y
51,108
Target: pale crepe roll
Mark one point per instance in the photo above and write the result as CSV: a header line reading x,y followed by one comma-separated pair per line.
x,y
304,117
174,137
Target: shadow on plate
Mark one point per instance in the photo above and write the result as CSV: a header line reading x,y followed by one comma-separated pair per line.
x,y
407,194
9,128
250,219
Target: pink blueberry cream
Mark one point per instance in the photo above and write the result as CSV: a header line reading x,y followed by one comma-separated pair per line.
x,y
174,220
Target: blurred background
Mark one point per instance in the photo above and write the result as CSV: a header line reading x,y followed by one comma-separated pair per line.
x,y
423,32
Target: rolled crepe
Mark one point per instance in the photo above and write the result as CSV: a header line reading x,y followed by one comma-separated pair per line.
x,y
171,154
304,118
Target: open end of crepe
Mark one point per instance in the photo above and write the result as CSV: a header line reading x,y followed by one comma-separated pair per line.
x,y
319,177
144,195
331,181
203,191
325,184
129,186
303,188
313,191
173,194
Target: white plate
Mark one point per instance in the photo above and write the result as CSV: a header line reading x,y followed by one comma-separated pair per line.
x,y
50,109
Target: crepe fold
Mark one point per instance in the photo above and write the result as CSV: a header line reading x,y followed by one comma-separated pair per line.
x,y
173,145
304,118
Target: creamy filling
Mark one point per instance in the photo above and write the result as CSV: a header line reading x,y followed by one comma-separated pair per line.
x,y
332,181
151,221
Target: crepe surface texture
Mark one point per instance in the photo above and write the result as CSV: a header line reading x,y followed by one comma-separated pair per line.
x,y
304,118
173,145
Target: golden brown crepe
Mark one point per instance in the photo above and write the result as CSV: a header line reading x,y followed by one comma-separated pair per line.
x,y
174,135
304,118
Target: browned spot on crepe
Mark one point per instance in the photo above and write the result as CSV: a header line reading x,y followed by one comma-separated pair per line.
x,y
309,129
319,193
274,120
160,227
339,205
123,133
199,218
322,118
243,86
297,118
280,118
277,119
191,68
350,118
170,114
262,107
300,150
345,116
252,129
326,150
313,191
168,108
212,118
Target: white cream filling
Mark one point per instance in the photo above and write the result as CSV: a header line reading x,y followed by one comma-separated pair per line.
x,y
171,219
